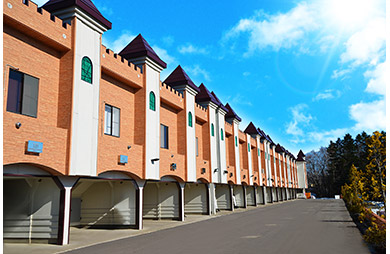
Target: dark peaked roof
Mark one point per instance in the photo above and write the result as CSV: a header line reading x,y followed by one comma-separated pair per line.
x,y
301,156
262,133
205,95
140,47
279,148
231,113
251,129
219,103
180,77
85,5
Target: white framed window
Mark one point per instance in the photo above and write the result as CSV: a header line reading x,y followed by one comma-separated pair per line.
x,y
112,120
164,136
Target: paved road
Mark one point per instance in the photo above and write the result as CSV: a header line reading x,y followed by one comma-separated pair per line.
x,y
301,226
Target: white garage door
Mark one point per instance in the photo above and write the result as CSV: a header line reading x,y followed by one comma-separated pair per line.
x,y
238,192
103,202
161,200
222,193
259,195
269,195
195,198
31,208
250,195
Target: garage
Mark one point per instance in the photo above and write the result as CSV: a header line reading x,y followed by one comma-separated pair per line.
x,y
280,194
269,195
250,195
31,209
274,195
30,205
259,195
222,194
238,192
196,198
161,200
103,203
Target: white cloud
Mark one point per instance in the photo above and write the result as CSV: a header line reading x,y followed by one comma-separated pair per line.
x,y
367,45
377,82
299,119
197,72
163,54
323,137
327,95
278,31
168,40
117,45
191,49
369,116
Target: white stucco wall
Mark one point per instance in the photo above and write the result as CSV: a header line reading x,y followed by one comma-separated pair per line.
x,y
85,113
191,136
237,151
250,166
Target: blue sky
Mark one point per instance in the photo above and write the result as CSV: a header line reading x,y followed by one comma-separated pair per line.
x,y
306,72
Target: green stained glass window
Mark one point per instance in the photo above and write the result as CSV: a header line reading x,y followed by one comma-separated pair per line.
x,y
152,101
236,141
212,130
249,147
86,70
190,119
221,134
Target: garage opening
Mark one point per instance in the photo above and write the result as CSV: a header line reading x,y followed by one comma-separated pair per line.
x,y
250,195
30,209
238,192
196,198
222,194
269,195
99,203
259,195
161,200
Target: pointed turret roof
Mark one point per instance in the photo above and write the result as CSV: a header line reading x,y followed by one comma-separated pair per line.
x,y
205,95
179,77
301,156
140,47
251,129
85,5
280,149
231,113
219,103
262,133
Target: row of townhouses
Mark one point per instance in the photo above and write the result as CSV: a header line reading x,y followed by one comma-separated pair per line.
x,y
94,138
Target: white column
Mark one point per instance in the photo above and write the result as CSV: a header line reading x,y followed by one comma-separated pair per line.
x,y
249,149
181,200
209,208
231,197
237,150
140,184
66,193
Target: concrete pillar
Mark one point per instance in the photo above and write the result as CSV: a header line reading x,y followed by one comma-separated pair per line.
x,y
65,183
244,190
140,184
231,197
209,206
213,198
255,193
181,200
264,195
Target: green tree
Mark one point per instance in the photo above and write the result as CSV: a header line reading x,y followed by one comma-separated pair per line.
x,y
375,175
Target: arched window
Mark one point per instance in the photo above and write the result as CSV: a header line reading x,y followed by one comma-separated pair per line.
x,y
190,119
212,130
152,101
249,147
221,134
236,141
86,70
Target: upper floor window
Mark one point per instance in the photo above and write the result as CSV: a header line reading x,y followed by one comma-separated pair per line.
x,y
112,120
152,101
86,70
221,134
164,136
249,147
258,151
197,147
236,141
190,119
22,93
212,130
